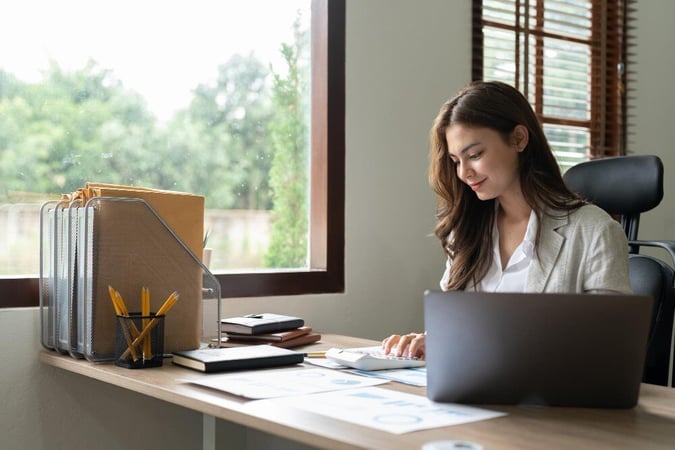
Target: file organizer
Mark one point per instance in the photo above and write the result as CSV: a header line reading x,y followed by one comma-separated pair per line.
x,y
121,242
47,283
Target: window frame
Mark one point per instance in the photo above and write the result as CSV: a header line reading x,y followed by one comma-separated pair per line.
x,y
327,229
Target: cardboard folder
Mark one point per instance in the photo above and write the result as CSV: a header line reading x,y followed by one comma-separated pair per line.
x,y
182,212
135,238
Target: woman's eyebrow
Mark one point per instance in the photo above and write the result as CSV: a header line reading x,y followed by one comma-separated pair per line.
x,y
465,149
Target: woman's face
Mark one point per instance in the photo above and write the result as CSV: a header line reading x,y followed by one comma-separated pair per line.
x,y
484,161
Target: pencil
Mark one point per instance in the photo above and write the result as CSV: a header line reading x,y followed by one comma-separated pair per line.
x,y
315,355
125,312
125,331
145,312
166,306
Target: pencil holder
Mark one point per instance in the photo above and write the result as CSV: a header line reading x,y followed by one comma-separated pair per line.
x,y
139,341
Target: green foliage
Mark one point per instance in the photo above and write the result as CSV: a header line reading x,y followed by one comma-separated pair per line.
x,y
85,126
288,175
232,116
72,128
242,142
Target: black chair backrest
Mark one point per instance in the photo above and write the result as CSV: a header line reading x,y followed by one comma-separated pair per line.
x,y
628,186
623,185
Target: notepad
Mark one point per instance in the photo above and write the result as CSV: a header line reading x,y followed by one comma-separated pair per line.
x,y
237,358
305,339
278,336
260,323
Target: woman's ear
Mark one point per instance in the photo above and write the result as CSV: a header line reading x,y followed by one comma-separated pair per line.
x,y
520,137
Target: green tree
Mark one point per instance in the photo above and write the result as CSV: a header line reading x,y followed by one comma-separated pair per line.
x,y
71,128
231,116
288,175
85,126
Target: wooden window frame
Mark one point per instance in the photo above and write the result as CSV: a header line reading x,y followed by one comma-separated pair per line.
x,y
327,230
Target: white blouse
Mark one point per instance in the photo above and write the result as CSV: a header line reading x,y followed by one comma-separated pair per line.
x,y
513,278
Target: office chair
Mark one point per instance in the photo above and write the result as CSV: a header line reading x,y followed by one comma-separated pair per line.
x,y
627,186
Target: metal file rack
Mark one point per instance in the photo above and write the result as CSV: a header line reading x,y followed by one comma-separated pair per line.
x,y
124,243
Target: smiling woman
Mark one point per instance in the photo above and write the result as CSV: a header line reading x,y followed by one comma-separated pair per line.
x,y
195,110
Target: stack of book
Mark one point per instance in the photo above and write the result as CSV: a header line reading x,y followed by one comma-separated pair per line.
x,y
267,328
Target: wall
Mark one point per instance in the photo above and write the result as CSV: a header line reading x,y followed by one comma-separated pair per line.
x,y
652,103
403,59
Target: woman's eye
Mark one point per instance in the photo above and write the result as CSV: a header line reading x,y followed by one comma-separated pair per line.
x,y
476,155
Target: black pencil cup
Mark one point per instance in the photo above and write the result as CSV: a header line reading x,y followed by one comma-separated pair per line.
x,y
139,341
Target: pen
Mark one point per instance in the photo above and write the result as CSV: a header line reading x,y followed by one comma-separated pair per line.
x,y
315,355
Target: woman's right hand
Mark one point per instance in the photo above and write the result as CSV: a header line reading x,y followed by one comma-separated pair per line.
x,y
407,345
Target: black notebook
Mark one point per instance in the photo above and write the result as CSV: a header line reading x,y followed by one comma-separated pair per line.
x,y
260,323
237,358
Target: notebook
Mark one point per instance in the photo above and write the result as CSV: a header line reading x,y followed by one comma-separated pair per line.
x,y
581,350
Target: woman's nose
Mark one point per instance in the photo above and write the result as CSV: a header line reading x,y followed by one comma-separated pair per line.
x,y
464,171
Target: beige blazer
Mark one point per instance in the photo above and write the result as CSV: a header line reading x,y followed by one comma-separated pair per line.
x,y
584,251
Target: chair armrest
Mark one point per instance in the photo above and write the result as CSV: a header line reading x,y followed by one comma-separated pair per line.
x,y
669,246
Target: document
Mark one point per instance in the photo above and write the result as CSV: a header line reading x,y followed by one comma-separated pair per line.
x,y
283,382
414,376
387,410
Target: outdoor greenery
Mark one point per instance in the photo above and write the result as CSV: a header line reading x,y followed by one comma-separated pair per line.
x,y
288,175
242,142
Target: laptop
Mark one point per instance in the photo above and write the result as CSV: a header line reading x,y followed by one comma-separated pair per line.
x,y
581,350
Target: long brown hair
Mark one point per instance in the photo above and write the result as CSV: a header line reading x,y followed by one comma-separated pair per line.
x,y
464,222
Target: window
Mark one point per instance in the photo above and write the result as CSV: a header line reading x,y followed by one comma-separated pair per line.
x,y
568,58
324,271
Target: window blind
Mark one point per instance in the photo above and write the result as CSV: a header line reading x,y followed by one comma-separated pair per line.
x,y
568,57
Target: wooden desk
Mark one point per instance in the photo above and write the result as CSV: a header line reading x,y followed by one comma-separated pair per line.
x,y
651,425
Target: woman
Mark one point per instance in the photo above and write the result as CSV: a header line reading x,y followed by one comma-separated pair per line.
x,y
506,220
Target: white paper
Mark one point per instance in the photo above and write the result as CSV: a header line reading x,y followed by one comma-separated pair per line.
x,y
284,382
325,362
415,376
387,410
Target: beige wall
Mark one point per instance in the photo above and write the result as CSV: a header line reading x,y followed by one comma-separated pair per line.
x,y
652,102
403,59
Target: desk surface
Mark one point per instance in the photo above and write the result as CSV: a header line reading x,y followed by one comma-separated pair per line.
x,y
649,425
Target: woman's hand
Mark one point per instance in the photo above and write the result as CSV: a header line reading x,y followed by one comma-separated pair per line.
x,y
411,344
